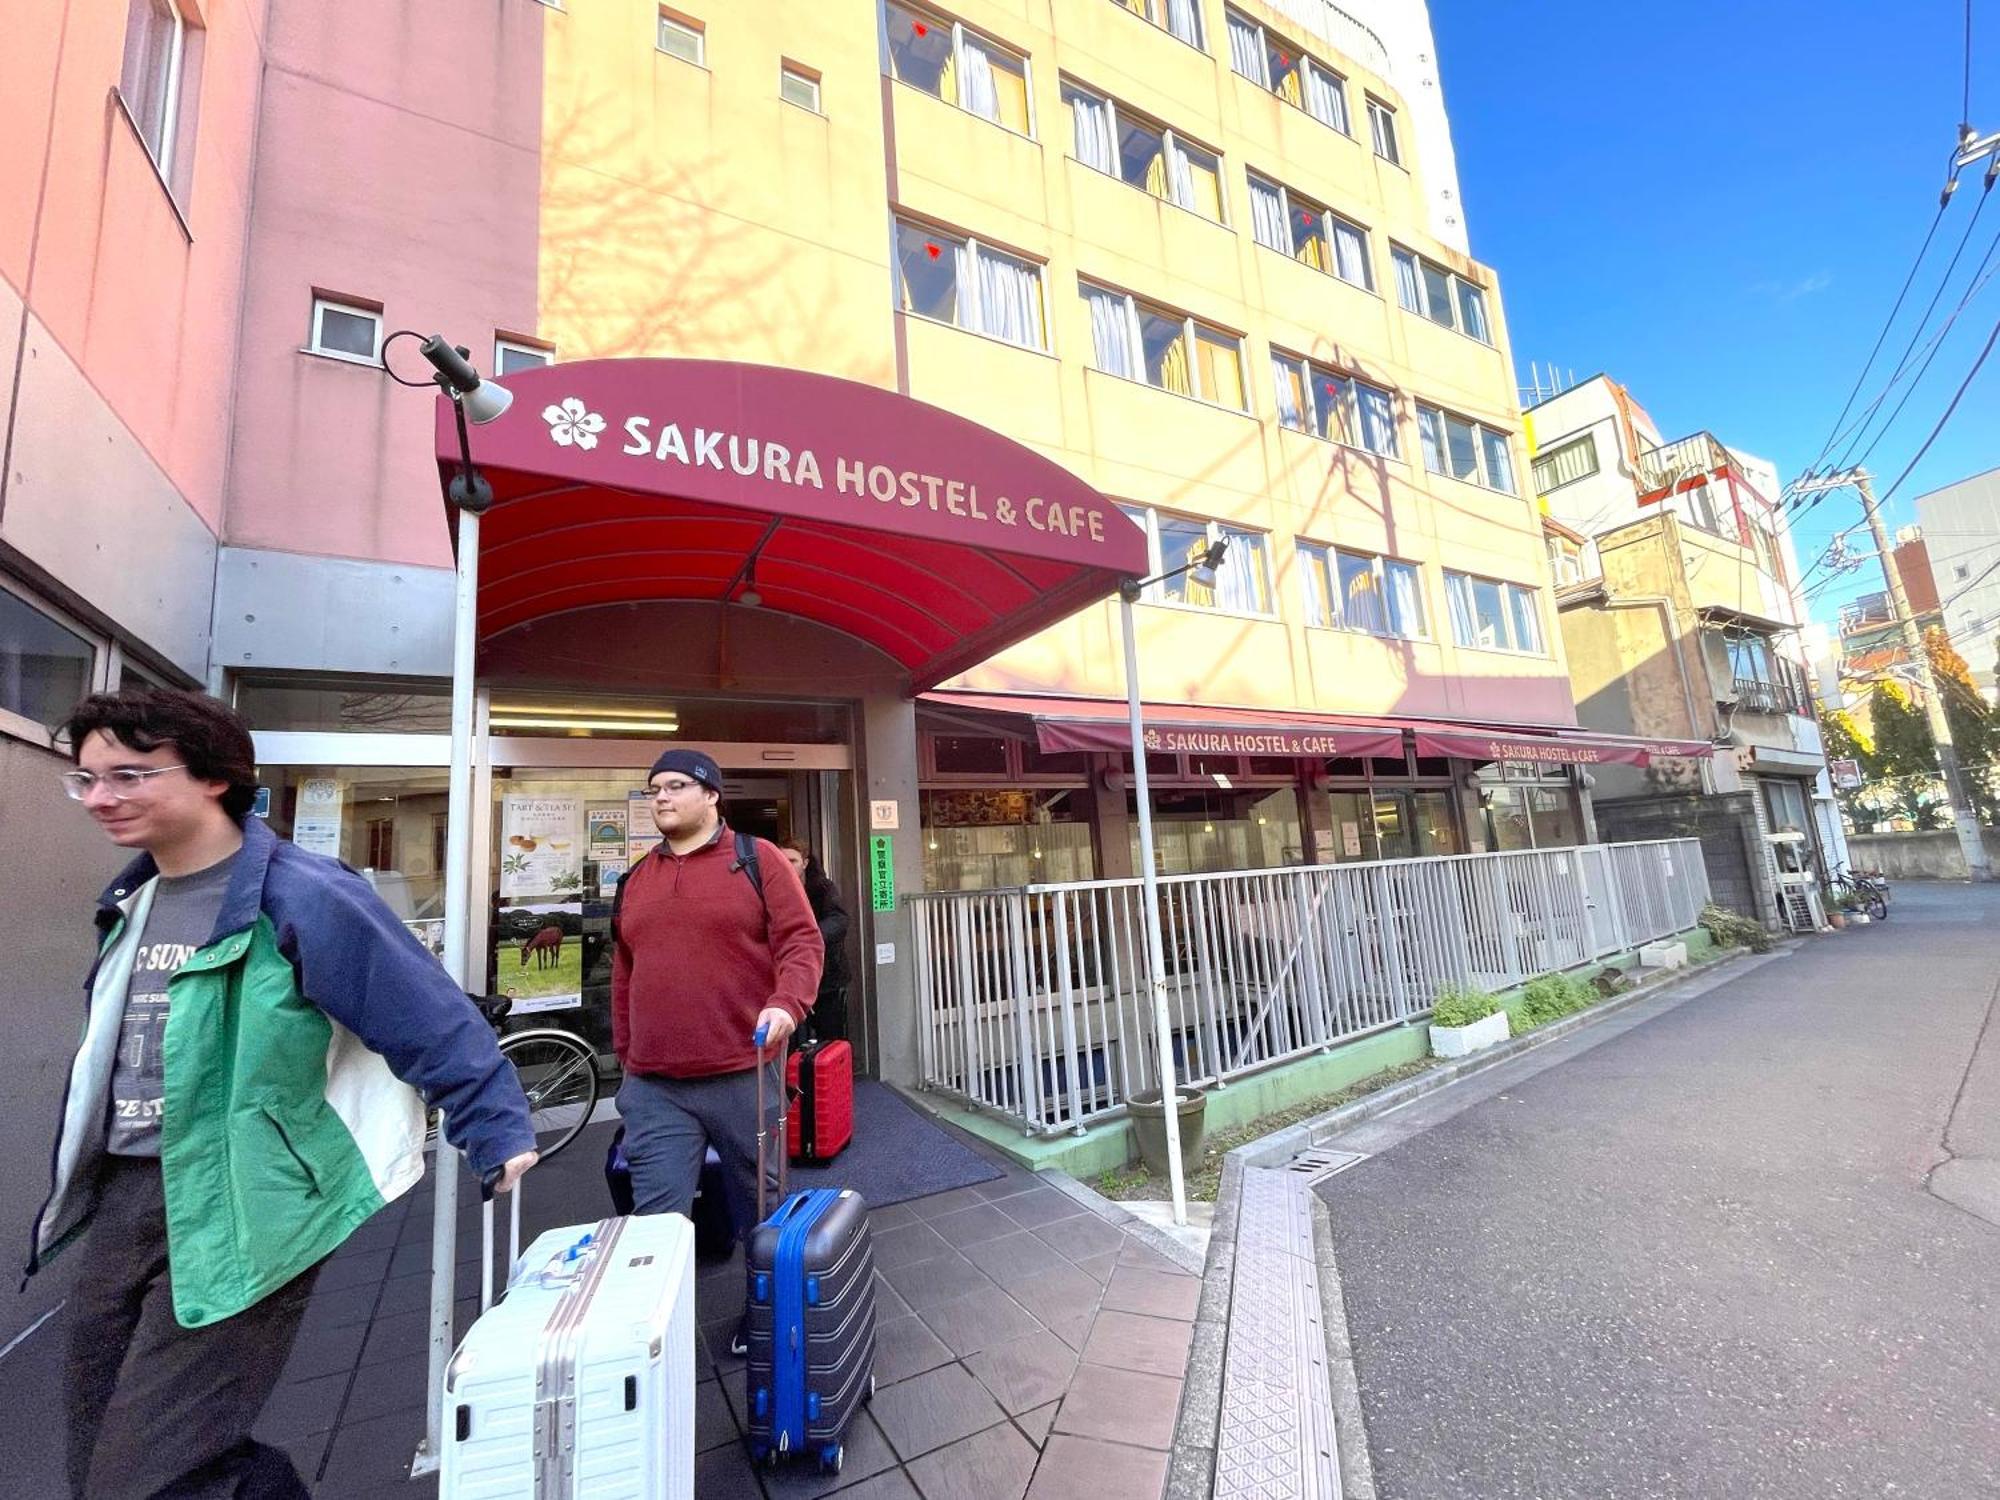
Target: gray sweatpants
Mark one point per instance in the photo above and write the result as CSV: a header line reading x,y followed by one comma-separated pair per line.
x,y
668,1123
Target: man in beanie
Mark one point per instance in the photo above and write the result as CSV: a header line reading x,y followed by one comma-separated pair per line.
x,y
713,938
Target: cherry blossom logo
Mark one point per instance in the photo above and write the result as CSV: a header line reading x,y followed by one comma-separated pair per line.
x,y
572,424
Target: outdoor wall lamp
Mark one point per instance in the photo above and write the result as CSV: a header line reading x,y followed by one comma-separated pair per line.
x,y
1201,569
472,399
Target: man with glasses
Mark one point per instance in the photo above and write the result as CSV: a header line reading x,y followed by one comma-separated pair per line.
x,y
255,1025
714,939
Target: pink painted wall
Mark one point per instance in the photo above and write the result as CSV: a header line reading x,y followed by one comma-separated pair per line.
x,y
398,164
145,308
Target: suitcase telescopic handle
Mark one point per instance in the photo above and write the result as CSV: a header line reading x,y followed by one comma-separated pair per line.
x,y
761,1035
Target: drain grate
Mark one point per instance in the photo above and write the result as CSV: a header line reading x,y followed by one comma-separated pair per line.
x,y
1318,1164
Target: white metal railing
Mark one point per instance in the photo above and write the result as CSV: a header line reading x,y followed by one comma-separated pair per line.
x,y
1033,1000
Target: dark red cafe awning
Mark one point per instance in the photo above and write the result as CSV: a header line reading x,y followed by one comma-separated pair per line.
x,y
936,540
1067,724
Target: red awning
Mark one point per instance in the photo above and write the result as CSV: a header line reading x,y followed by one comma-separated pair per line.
x,y
1100,724
936,540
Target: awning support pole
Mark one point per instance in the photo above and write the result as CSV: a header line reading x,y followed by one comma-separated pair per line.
x,y
1149,875
459,814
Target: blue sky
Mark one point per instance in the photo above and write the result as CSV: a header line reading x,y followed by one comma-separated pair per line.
x,y
1715,203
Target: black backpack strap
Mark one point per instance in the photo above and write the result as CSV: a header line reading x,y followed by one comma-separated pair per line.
x,y
618,897
746,861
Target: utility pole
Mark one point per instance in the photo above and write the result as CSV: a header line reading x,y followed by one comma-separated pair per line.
x,y
1964,813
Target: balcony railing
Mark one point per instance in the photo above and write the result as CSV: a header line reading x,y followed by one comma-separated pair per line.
x,y
1035,1004
1672,464
1760,697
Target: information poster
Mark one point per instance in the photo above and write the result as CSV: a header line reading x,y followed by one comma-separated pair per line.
x,y
641,832
609,873
607,824
316,822
881,873
1350,840
541,846
538,955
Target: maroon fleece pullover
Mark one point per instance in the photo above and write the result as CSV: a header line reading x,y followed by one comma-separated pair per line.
x,y
697,958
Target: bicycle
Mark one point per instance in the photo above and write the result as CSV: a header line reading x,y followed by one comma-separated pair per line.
x,y
558,1073
1868,891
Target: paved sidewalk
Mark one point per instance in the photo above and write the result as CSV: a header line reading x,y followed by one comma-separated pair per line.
x,y
1027,1347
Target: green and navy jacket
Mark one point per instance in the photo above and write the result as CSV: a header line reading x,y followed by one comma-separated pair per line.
x,y
298,1040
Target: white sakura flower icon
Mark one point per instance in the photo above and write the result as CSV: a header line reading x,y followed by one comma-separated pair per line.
x,y
572,424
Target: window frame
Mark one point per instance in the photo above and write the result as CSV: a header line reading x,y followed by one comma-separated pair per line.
x,y
1480,431
1381,124
1152,11
323,303
962,295
959,33
1306,61
1286,196
1350,387
1214,530
1512,597
1550,457
789,71
99,679
164,152
507,343
1172,141
1190,327
1322,590
1422,266
686,25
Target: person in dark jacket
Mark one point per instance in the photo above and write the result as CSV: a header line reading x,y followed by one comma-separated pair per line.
x,y
257,1028
828,1021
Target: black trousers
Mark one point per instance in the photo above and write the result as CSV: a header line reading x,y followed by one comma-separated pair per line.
x,y
155,1409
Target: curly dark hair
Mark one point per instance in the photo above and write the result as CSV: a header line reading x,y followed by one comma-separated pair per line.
x,y
211,738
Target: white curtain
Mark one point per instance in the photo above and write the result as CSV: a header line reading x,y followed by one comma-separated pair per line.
x,y
1246,51
1312,562
1324,101
1236,580
1184,21
1181,177
965,278
1350,252
1409,290
1267,217
1406,605
975,84
1285,377
1095,143
1499,461
1458,596
1378,420
1010,300
1111,333
1430,431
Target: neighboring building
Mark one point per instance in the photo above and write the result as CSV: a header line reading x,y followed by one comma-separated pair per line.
x,y
1121,247
1683,621
1871,640
1961,527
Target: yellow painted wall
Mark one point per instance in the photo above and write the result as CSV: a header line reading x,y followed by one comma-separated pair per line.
x,y
689,211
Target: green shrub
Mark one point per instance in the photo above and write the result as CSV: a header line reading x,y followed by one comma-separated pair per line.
x,y
1734,930
1552,997
1461,1005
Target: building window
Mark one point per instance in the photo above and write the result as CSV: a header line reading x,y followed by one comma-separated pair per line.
x,y
1461,448
1565,463
345,330
1272,62
800,86
45,668
1242,583
1180,17
1446,298
511,356
957,280
1357,591
1175,352
1119,142
1313,398
1764,681
1382,129
150,84
1294,225
958,66
1493,616
683,37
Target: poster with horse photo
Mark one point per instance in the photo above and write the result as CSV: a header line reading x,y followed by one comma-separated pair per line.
x,y
538,955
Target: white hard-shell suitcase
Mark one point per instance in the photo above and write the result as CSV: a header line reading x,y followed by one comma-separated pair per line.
x,y
579,1383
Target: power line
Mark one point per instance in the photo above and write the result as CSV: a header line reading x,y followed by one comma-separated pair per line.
x,y
1957,396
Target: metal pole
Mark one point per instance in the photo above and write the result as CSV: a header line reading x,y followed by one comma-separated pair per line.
x,y
1964,813
459,814
1149,876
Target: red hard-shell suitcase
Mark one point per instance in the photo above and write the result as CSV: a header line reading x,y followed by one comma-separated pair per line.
x,y
820,1078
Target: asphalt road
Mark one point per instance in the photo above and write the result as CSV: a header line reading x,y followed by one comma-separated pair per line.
x,y
1702,1252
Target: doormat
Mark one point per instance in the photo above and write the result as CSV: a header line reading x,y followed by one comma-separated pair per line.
x,y
897,1154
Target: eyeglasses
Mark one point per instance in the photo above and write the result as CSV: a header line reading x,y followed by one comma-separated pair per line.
x,y
122,783
670,788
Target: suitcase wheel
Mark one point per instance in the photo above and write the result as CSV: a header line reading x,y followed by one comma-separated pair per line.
x,y
871,1389
831,1456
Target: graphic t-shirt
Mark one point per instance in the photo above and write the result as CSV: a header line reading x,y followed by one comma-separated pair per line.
x,y
181,921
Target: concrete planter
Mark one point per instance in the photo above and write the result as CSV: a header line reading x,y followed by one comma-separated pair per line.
x,y
1461,1041
1148,1113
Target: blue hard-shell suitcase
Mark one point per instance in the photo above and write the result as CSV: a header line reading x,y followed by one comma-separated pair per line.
x,y
811,1300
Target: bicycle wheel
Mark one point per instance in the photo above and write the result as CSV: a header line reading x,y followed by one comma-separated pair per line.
x,y
1874,905
558,1073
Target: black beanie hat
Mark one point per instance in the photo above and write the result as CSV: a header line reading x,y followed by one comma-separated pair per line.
x,y
693,764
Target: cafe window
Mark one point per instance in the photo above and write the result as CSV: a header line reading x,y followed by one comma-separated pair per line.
x,y
1208,832
968,755
990,838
